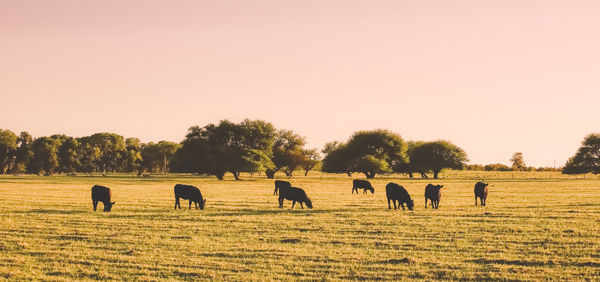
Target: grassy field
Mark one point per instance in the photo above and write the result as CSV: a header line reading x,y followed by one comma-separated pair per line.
x,y
535,227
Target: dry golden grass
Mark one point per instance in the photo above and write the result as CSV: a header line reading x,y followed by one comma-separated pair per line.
x,y
532,229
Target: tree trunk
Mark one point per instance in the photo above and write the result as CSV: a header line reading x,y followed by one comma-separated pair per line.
x,y
349,173
306,173
410,175
435,174
369,175
423,175
219,175
270,173
236,175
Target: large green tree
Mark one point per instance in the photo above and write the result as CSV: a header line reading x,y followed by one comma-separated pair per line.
x,y
8,147
45,155
587,157
102,152
518,163
23,153
67,154
410,167
288,153
311,159
368,152
227,147
438,155
156,156
132,159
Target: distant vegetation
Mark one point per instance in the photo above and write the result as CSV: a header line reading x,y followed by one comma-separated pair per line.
x,y
255,146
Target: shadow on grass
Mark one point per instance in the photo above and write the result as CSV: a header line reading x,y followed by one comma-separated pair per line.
x,y
48,211
535,263
246,212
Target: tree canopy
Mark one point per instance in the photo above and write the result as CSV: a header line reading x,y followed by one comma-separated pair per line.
x,y
368,152
518,163
227,147
438,155
8,146
587,157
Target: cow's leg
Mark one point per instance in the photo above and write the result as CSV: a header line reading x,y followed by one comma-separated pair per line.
x,y
293,203
354,188
196,205
483,201
389,206
190,206
394,201
95,205
177,203
475,200
280,201
301,206
402,204
425,202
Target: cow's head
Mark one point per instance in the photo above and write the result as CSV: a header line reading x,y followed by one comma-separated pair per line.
x,y
308,203
410,204
108,206
372,190
202,204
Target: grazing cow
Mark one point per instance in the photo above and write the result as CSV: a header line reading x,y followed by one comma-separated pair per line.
x,y
433,193
395,193
102,194
189,192
294,194
363,184
481,191
279,184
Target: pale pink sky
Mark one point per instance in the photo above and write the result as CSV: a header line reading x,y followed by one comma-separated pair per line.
x,y
493,77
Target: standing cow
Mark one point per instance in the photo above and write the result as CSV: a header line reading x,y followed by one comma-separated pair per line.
x,y
279,184
294,194
395,193
481,191
433,193
102,194
362,184
189,192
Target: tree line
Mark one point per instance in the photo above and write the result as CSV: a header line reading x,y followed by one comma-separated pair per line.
x,y
252,146
100,152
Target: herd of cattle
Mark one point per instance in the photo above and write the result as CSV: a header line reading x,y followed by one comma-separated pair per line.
x,y
285,190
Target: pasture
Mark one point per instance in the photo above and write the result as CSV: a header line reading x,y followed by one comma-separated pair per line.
x,y
531,229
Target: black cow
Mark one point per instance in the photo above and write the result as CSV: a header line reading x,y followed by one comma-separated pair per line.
x,y
294,194
395,193
102,194
433,193
189,192
362,184
279,184
481,191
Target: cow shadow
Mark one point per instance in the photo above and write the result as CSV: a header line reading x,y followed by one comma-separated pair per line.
x,y
253,212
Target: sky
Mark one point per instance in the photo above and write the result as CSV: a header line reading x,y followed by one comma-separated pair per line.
x,y
493,77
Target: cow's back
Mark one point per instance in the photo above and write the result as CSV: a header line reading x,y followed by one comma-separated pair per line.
x,y
101,193
432,192
359,183
281,184
187,192
295,193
